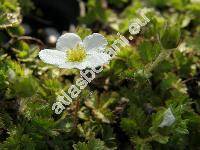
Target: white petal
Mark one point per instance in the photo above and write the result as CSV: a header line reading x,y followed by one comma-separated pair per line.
x,y
68,41
54,57
71,65
91,61
168,118
95,42
97,59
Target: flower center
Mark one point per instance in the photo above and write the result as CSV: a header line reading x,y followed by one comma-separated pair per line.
x,y
76,55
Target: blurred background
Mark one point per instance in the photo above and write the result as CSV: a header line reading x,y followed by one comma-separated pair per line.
x,y
155,78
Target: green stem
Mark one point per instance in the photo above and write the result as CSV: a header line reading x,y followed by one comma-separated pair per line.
x,y
162,56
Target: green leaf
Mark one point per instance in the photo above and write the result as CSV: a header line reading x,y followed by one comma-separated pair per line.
x,y
128,125
94,144
170,37
25,87
149,51
161,139
9,13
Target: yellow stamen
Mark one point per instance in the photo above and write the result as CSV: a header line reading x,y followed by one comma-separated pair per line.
x,y
76,55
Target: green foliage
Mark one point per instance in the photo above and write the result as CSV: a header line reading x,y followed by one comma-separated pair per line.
x,y
158,71
170,37
97,12
9,13
94,144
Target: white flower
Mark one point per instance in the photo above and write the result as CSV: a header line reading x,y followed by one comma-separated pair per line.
x,y
72,52
168,118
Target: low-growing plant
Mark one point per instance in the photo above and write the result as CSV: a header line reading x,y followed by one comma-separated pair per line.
x,y
147,97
